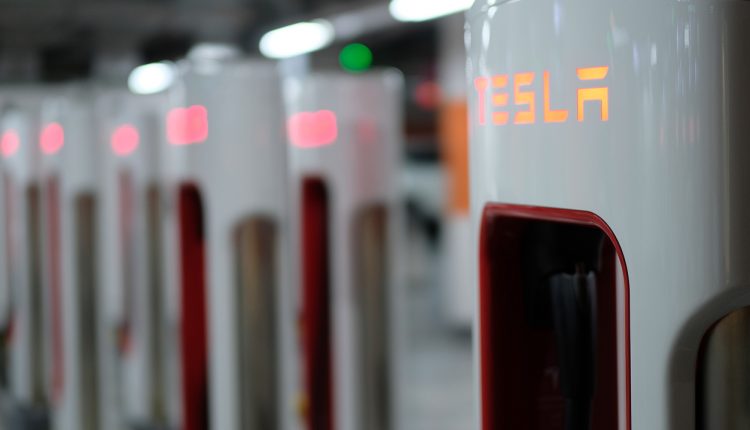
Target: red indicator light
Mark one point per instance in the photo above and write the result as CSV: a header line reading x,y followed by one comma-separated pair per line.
x,y
9,143
125,140
52,138
186,126
312,129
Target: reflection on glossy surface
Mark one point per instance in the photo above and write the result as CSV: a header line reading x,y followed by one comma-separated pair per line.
x,y
85,226
156,305
370,233
36,330
725,375
255,242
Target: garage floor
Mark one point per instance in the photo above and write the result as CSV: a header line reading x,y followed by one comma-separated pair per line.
x,y
439,393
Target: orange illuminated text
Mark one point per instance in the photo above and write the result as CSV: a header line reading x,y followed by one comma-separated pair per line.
x,y
516,99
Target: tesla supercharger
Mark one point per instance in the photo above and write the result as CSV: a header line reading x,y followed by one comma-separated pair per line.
x,y
345,137
132,330
608,169
67,140
25,331
227,176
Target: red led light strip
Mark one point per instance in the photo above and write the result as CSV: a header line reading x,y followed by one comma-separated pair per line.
x,y
312,129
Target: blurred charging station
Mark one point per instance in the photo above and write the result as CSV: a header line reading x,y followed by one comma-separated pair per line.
x,y
345,136
133,329
24,330
227,154
608,170
67,140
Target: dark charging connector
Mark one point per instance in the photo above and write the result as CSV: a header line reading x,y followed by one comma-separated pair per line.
x,y
560,263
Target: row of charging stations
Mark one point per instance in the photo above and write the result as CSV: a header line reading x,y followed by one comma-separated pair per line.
x,y
206,257
609,214
24,340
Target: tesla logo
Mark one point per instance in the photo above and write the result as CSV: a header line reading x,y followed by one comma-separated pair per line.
x,y
124,140
9,143
312,129
498,89
186,126
52,138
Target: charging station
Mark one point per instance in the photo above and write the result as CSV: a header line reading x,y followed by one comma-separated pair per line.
x,y
609,204
23,319
67,141
133,324
345,136
226,162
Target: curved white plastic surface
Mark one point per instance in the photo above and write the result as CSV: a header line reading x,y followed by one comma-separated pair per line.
x,y
667,171
240,171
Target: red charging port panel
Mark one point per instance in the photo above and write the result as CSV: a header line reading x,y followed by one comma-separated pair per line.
x,y
519,371
193,336
10,259
316,304
126,214
55,282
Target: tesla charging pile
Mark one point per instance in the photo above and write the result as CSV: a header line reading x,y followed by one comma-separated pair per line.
x,y
228,160
132,333
608,157
67,140
22,254
345,138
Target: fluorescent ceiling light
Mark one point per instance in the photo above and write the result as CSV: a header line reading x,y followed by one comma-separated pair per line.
x,y
214,52
151,78
297,39
423,10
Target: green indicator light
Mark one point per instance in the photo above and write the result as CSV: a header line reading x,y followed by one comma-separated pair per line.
x,y
355,57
